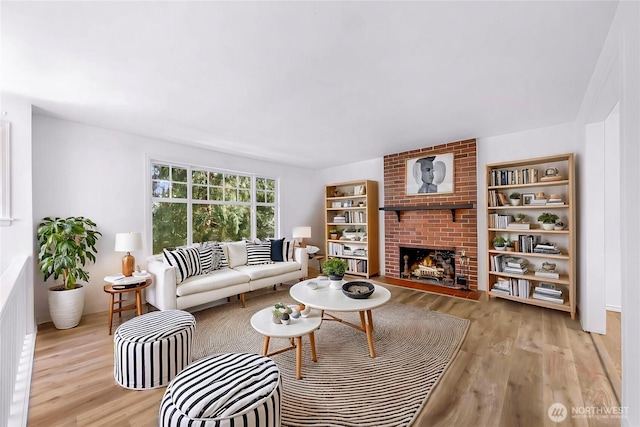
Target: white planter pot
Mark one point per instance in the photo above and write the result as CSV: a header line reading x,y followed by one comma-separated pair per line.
x,y
515,202
547,226
335,283
66,307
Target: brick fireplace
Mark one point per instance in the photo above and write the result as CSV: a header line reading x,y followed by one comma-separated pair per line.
x,y
443,231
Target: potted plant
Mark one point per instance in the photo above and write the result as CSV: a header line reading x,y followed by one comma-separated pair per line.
x,y
279,311
335,234
509,245
514,198
548,220
519,217
499,243
335,269
66,244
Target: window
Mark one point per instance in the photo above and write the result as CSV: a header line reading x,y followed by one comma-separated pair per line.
x,y
195,204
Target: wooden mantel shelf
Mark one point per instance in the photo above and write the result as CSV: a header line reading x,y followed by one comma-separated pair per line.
x,y
398,209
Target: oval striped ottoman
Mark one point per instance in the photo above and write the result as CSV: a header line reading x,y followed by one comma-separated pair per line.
x,y
224,390
151,349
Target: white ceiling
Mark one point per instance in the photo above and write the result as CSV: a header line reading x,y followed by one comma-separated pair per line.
x,y
306,83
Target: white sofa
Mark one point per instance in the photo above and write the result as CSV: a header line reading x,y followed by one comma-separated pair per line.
x,y
237,279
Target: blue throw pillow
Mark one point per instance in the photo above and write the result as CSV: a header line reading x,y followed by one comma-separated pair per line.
x,y
276,250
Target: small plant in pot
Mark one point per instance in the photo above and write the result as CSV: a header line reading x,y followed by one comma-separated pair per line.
x,y
548,220
335,269
514,198
509,245
66,244
335,234
519,217
499,243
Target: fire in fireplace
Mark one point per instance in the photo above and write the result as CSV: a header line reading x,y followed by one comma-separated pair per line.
x,y
428,265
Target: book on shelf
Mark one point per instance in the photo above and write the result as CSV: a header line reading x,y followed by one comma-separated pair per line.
x,y
519,225
550,298
549,274
548,289
527,242
502,199
514,270
515,262
538,202
546,248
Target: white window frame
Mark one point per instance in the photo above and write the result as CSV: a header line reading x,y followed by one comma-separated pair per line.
x,y
190,201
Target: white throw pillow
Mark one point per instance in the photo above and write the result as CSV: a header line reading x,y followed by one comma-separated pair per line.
x,y
237,252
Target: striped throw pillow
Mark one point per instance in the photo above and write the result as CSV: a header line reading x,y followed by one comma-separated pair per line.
x,y
287,250
186,261
258,254
206,259
218,249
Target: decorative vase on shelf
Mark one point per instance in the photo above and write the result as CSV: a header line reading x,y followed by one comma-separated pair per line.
x,y
546,226
515,202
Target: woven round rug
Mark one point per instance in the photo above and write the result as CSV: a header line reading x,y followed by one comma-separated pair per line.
x,y
345,387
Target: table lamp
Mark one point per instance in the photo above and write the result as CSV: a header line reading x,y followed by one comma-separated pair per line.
x,y
128,242
302,233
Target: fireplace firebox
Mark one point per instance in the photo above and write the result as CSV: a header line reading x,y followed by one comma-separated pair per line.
x,y
435,266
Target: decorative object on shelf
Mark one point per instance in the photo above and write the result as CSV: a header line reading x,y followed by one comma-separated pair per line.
x,y
548,220
430,175
128,242
509,245
303,232
551,174
499,243
514,198
558,226
358,289
527,198
359,190
335,269
65,247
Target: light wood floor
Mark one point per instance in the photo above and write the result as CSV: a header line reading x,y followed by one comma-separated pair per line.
x,y
514,363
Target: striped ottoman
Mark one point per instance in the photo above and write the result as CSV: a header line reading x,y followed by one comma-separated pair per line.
x,y
224,390
150,350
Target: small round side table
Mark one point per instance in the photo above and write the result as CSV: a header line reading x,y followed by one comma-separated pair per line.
x,y
119,290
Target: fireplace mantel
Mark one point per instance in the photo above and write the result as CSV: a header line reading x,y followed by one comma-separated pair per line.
x,y
398,209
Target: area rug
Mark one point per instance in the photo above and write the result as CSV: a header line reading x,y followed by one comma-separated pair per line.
x,y
346,387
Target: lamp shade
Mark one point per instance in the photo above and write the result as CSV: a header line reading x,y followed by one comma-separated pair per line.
x,y
128,242
301,232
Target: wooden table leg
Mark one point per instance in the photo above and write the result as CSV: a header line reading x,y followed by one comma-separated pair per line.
x,y
364,325
139,302
312,341
369,328
110,312
265,346
299,358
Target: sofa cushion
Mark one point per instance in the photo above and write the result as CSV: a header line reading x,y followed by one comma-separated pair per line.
x,y
185,260
206,259
287,250
276,250
267,270
217,279
258,254
237,252
217,249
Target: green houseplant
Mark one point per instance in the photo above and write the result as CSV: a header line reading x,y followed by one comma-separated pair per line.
x,y
334,268
514,198
499,243
66,244
548,220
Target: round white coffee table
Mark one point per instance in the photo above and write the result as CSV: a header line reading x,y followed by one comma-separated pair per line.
x,y
327,299
261,322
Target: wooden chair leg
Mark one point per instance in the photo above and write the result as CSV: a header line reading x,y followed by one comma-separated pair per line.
x,y
242,300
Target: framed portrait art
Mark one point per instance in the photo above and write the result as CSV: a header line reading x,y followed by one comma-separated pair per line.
x,y
427,175
527,198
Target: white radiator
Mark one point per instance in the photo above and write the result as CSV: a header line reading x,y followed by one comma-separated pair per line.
x,y
17,343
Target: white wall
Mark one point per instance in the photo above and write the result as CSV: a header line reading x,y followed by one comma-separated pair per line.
x,y
559,139
617,77
101,174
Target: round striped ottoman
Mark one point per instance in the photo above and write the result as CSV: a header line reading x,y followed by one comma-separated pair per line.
x,y
224,390
151,349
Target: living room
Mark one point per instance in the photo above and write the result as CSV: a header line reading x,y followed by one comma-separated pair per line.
x,y
66,167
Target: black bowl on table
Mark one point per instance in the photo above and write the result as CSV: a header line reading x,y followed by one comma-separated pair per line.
x,y
358,289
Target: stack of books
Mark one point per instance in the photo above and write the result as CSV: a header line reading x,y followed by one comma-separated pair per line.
x,y
548,292
513,287
546,248
548,270
339,219
519,225
554,199
515,265
538,202
502,286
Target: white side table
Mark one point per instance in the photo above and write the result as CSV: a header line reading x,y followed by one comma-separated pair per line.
x,y
261,322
